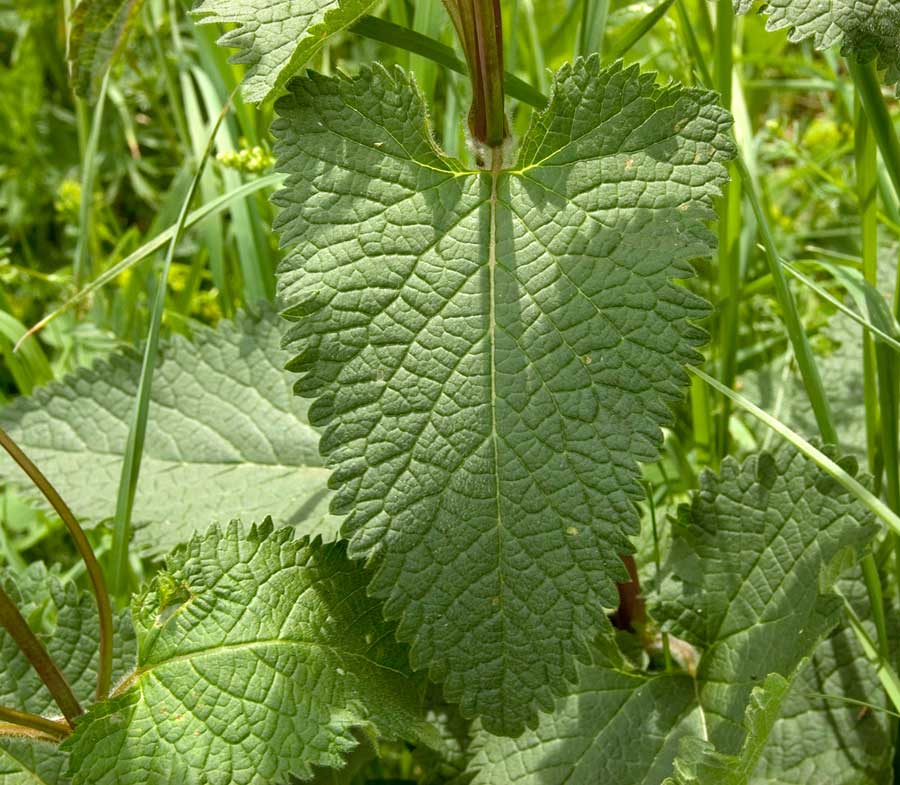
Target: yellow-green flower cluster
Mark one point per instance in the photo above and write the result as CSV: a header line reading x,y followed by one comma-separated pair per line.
x,y
253,159
68,199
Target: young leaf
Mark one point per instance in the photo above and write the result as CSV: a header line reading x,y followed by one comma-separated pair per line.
x,y
699,763
257,656
99,29
853,743
745,583
867,29
225,434
492,353
67,619
748,558
276,37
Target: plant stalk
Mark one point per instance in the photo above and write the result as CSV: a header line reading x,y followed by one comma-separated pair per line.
x,y
24,719
83,546
869,90
879,363
729,209
36,654
479,26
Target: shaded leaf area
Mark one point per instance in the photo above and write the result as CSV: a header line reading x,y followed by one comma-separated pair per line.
x,y
866,29
745,586
780,390
618,725
491,353
815,734
225,436
99,29
67,621
700,763
276,37
258,654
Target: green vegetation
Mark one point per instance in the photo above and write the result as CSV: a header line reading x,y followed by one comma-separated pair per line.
x,y
452,392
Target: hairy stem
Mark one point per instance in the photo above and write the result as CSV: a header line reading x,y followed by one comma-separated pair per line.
x,y
83,546
479,27
24,719
36,653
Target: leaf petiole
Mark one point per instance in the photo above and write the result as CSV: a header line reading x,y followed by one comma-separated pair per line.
x,y
83,546
36,654
479,27
23,719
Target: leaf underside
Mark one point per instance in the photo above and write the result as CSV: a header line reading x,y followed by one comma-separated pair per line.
x,y
492,354
276,37
616,727
866,29
765,614
99,30
744,587
257,655
816,734
225,438
67,620
700,763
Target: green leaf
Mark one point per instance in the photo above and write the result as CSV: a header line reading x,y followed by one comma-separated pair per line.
x,y
699,763
617,726
867,29
492,354
750,558
67,620
276,37
257,656
225,435
815,734
745,577
99,29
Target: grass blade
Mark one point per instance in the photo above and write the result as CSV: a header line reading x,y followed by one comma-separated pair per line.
x,y
869,499
131,464
82,264
29,367
886,674
869,90
411,41
809,372
862,321
214,207
640,28
594,14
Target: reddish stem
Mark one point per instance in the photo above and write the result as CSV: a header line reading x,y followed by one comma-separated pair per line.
x,y
632,610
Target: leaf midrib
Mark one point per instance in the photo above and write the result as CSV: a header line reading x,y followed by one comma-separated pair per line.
x,y
140,672
492,292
